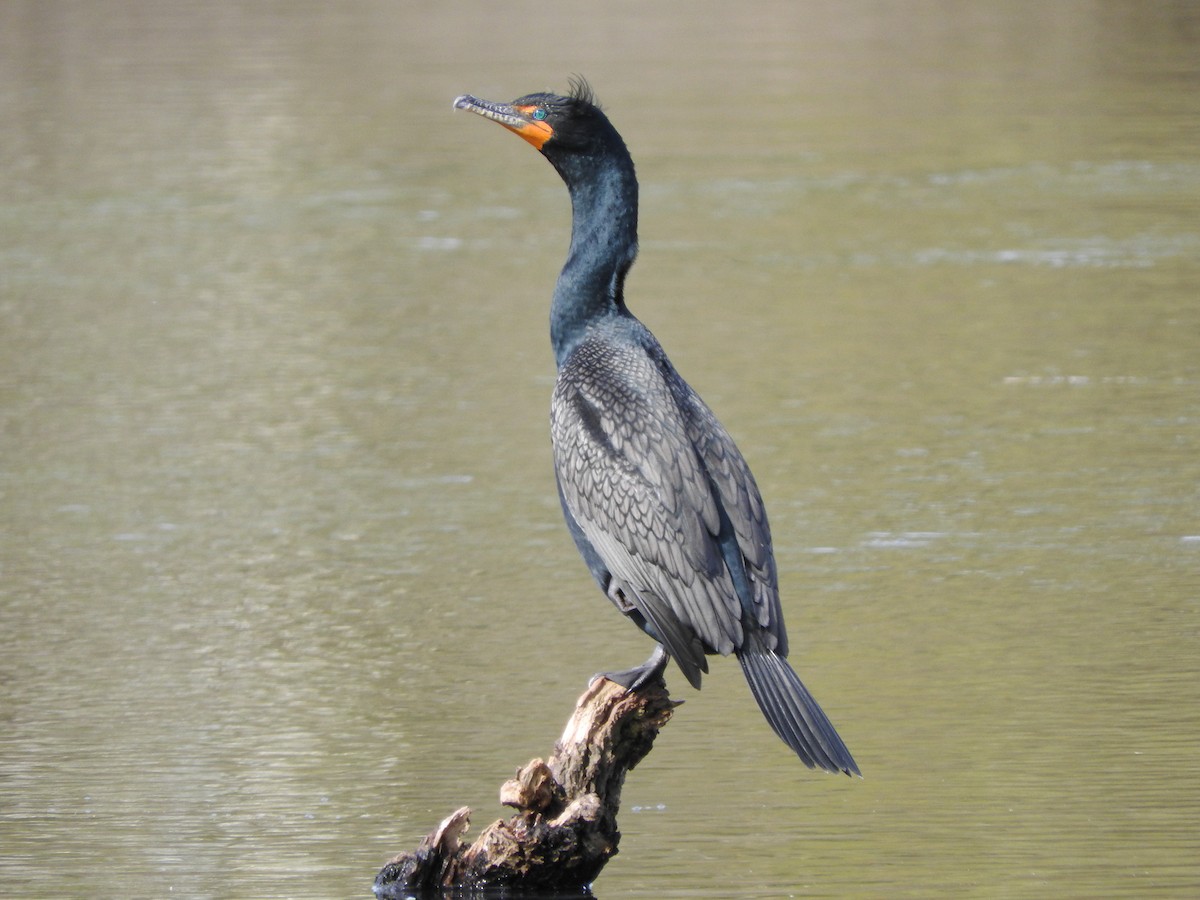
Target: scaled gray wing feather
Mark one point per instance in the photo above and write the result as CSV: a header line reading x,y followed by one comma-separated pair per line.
x,y
738,493
637,468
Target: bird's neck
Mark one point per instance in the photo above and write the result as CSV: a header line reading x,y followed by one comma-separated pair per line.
x,y
604,198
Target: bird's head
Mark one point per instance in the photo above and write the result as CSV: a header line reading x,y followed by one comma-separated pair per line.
x,y
555,124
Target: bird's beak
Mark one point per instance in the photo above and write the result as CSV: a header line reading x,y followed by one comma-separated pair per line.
x,y
515,118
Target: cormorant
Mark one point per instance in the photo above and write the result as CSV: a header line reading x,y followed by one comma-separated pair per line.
x,y
659,500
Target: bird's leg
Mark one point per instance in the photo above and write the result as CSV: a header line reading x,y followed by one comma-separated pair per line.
x,y
640,676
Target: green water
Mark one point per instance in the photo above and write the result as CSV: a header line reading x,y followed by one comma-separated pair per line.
x,y
283,579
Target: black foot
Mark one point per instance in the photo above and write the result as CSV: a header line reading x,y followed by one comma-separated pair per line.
x,y
639,676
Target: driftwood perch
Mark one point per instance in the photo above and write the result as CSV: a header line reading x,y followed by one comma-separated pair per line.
x,y
565,828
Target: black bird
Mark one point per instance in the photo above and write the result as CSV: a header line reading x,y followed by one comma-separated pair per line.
x,y
659,500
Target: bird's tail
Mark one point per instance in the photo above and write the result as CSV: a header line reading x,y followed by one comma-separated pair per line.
x,y
791,709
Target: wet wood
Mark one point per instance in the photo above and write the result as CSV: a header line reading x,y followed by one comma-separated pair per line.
x,y
565,827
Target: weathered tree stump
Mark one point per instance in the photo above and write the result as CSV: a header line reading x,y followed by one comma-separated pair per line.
x,y
565,828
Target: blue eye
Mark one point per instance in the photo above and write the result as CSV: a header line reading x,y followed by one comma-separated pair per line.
x,y
539,114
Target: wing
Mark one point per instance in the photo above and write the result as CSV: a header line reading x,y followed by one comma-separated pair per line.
x,y
636,487
738,494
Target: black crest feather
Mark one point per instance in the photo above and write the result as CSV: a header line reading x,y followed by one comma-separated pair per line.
x,y
582,91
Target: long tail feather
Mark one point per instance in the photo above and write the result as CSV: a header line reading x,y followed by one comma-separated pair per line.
x,y
791,710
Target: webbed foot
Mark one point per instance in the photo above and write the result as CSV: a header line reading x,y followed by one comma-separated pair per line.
x,y
639,676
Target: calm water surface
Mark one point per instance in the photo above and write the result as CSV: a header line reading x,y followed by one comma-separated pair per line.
x,y
283,576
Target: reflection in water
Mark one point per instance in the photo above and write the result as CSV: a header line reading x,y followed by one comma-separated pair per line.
x,y
283,576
